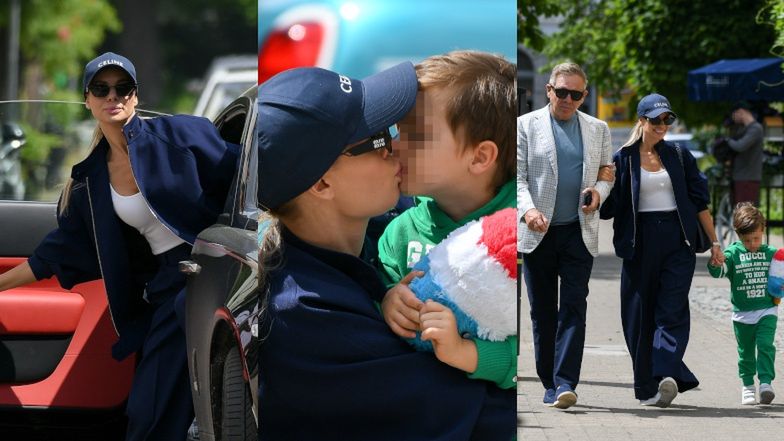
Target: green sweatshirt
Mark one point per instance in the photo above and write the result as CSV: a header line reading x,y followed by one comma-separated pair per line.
x,y
748,274
413,234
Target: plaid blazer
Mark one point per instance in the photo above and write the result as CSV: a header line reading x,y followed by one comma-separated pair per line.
x,y
537,173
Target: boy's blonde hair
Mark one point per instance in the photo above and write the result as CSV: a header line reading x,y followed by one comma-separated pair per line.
x,y
483,101
747,218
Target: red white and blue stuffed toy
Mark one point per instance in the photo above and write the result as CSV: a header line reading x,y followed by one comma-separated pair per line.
x,y
474,273
776,275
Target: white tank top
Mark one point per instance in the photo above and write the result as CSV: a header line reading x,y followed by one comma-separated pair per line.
x,y
134,211
656,192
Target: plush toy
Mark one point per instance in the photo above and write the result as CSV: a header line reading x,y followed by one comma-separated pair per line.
x,y
474,273
776,275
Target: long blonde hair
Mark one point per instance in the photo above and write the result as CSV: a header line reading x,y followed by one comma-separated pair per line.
x,y
635,136
66,194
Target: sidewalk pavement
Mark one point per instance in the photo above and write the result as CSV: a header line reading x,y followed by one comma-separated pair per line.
x,y
606,409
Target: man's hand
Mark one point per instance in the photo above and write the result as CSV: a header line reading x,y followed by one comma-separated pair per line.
x,y
536,221
401,307
594,205
439,326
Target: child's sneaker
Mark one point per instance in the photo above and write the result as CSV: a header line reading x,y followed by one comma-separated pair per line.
x,y
766,393
748,395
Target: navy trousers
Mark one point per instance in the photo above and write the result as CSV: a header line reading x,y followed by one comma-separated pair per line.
x,y
655,303
160,406
558,327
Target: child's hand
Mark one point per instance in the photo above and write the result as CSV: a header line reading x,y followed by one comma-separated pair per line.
x,y
439,326
401,307
717,257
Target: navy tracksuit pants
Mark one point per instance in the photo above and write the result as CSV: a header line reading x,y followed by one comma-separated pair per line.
x,y
558,327
160,406
655,303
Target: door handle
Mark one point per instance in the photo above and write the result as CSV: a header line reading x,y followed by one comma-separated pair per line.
x,y
189,267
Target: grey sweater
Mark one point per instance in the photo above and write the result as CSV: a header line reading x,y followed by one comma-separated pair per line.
x,y
747,165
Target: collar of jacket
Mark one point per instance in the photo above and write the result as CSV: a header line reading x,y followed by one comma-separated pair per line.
x,y
669,159
91,164
352,266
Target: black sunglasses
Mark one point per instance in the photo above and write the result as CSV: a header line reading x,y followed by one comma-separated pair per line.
x,y
102,90
381,140
562,93
667,120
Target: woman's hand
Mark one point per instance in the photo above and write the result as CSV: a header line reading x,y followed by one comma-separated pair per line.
x,y
439,326
400,307
717,256
606,172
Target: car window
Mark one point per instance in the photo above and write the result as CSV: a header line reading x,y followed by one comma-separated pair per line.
x,y
237,124
40,142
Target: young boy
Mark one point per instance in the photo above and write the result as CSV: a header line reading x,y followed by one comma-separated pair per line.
x,y
754,312
458,152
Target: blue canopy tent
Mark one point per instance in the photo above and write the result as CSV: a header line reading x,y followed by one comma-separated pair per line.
x,y
751,79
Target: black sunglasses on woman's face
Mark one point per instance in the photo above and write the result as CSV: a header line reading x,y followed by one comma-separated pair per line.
x,y
667,120
100,90
381,140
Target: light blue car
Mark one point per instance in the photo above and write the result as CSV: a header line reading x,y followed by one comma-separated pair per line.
x,y
358,38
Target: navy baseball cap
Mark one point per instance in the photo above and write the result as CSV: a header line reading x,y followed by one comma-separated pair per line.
x,y
307,116
105,60
653,105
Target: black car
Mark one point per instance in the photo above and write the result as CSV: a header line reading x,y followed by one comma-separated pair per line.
x,y
222,296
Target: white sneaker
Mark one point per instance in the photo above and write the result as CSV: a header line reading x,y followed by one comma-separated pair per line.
x,y
668,390
748,395
652,401
766,393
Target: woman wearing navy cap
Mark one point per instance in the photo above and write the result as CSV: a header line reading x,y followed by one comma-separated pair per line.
x,y
658,198
129,214
330,368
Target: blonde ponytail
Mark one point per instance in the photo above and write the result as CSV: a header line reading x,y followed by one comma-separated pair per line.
x,y
635,136
66,194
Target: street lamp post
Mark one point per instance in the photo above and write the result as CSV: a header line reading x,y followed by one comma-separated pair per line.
x,y
12,61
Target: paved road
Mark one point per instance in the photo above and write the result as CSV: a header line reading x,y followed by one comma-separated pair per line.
x,y
606,409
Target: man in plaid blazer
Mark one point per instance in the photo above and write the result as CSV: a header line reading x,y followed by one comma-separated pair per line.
x,y
559,154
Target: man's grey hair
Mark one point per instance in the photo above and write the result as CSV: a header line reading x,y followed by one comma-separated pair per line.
x,y
568,68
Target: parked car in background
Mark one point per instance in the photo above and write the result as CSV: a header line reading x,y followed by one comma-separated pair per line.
x,y
686,140
226,79
361,37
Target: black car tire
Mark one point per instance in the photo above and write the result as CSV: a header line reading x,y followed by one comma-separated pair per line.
x,y
237,422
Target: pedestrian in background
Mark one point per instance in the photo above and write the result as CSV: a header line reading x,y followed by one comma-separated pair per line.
x,y
559,154
658,198
747,161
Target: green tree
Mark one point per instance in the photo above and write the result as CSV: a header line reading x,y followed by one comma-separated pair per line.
x,y
651,45
528,13
773,14
57,38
